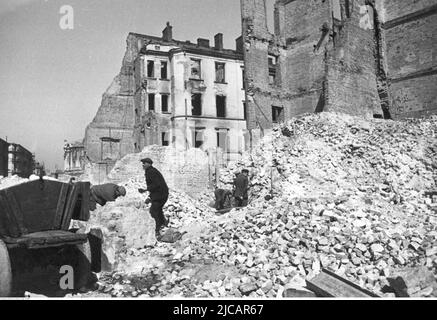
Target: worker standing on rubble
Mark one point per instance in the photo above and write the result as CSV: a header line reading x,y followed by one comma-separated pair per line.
x,y
241,184
105,192
158,193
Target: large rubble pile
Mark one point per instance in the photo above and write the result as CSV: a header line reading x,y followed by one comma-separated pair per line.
x,y
342,193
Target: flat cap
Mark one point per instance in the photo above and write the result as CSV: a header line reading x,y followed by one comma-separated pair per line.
x,y
148,160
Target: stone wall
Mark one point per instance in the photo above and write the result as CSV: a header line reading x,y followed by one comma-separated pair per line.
x,y
185,171
368,58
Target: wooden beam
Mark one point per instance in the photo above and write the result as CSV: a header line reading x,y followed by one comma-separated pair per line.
x,y
329,284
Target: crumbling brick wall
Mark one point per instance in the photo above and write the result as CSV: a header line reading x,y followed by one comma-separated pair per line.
x,y
363,57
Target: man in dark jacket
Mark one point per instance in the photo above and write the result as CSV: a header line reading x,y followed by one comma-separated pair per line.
x,y
103,193
241,184
158,193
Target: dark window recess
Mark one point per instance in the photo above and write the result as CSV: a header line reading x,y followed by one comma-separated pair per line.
x,y
164,139
163,70
151,102
220,102
196,104
164,103
136,111
195,69
150,68
198,138
221,139
219,72
245,110
277,114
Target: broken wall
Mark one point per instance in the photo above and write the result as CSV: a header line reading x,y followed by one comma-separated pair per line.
x,y
185,171
352,56
410,29
115,116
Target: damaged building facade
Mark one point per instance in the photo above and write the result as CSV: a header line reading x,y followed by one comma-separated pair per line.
x,y
362,57
170,92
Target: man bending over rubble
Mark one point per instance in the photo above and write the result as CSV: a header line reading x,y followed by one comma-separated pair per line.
x,y
158,193
105,192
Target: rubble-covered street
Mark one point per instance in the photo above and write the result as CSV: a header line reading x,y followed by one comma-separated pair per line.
x,y
326,191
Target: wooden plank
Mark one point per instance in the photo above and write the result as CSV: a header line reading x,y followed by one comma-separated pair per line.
x,y
60,207
71,203
7,218
44,239
16,210
329,284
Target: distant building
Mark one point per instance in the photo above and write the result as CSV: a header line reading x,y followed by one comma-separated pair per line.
x,y
20,161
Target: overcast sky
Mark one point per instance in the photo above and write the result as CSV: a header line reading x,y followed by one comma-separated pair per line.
x,y
52,80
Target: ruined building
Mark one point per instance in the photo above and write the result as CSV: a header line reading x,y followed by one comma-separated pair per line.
x,y
363,57
74,158
171,92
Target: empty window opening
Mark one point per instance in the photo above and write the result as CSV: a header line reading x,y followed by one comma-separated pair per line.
x,y
150,68
245,110
272,77
219,72
151,102
222,136
163,70
196,104
164,103
195,69
272,61
164,139
221,106
198,138
277,114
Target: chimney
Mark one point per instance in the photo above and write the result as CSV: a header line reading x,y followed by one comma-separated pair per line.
x,y
167,33
239,44
203,42
218,41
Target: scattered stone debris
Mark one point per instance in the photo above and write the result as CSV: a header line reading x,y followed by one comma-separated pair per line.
x,y
344,194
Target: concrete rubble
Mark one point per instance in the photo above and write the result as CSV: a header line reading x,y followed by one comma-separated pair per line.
x,y
345,194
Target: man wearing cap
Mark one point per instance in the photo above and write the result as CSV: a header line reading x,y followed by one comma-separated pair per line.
x,y
158,193
241,183
105,192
